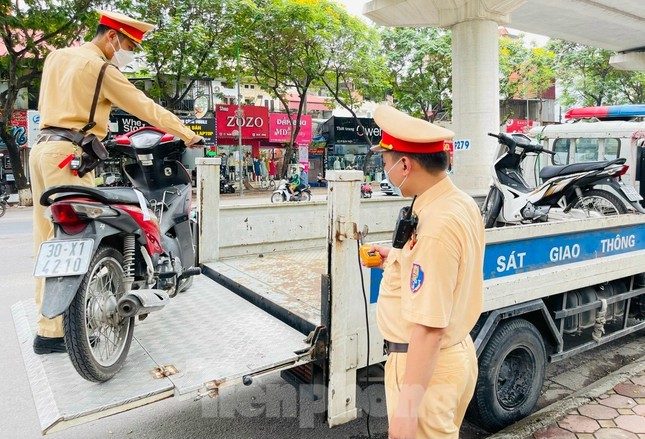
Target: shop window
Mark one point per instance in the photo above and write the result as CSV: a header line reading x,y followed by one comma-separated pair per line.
x,y
561,147
587,150
612,148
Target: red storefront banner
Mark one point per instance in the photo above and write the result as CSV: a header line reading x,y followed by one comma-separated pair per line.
x,y
519,125
255,122
280,128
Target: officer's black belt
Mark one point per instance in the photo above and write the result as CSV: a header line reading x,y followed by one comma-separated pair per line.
x,y
391,347
51,138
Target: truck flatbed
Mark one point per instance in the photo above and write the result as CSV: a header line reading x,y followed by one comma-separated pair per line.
x,y
188,336
289,279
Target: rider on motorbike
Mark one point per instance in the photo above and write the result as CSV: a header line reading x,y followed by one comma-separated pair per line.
x,y
295,182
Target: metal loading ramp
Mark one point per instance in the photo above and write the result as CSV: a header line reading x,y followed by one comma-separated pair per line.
x,y
211,336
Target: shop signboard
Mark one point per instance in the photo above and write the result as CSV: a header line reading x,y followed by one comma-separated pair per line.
x,y
124,123
347,132
33,128
204,127
254,121
519,125
280,128
19,127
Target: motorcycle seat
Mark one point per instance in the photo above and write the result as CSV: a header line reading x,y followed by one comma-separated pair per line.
x,y
108,195
553,171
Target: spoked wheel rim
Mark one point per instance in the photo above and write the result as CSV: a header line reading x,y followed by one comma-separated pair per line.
x,y
515,378
594,205
106,331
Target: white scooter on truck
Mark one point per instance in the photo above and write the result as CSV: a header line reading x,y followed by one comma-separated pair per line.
x,y
575,190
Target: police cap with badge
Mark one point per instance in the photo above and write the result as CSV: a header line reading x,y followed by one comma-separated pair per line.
x,y
135,30
406,134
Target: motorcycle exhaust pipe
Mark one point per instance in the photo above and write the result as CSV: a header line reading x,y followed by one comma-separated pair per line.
x,y
138,302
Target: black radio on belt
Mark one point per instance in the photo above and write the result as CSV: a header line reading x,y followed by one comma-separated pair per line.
x,y
405,226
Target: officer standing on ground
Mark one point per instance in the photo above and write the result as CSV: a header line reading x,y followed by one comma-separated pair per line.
x,y
431,292
68,86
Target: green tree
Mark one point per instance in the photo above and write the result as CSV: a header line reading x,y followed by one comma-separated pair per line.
x,y
539,73
287,48
186,44
512,60
586,76
357,70
28,34
632,85
419,62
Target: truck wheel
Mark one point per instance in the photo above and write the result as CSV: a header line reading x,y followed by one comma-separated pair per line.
x,y
511,374
97,337
600,201
491,207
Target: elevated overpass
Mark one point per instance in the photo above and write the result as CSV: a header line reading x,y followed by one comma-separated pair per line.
x,y
608,24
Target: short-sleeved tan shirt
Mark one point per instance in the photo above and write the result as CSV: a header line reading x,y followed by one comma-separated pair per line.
x,y
67,89
438,280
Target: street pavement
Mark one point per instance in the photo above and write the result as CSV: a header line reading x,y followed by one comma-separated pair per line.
x,y
610,408
602,390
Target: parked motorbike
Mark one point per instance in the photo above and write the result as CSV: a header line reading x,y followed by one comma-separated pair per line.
x,y
225,187
282,194
578,190
366,190
4,203
118,253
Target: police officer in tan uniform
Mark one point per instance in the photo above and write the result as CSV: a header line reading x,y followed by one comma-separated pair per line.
x,y
431,292
67,90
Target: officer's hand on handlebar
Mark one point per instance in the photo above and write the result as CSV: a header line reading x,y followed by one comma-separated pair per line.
x,y
195,142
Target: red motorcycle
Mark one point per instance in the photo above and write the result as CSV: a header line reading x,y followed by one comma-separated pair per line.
x,y
118,253
366,190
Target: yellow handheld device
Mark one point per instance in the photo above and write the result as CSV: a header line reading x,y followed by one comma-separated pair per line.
x,y
369,258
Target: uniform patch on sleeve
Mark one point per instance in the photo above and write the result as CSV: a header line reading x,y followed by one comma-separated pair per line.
x,y
416,278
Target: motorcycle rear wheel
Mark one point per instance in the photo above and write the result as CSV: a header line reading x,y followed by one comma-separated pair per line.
x,y
305,196
3,208
600,201
97,337
277,197
491,207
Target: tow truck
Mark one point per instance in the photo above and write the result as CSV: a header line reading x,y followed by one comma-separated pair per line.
x,y
281,292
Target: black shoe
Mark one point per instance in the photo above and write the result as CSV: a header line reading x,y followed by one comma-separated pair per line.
x,y
47,345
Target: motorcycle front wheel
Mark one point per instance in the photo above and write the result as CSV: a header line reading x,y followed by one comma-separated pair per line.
x,y
491,207
277,197
97,337
597,202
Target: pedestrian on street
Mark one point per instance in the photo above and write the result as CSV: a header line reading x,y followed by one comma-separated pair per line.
x,y
70,90
431,293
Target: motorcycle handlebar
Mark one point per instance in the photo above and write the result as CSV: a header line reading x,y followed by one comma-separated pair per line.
x,y
511,143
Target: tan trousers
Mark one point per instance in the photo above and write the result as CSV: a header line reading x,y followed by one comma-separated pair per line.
x,y
447,396
44,173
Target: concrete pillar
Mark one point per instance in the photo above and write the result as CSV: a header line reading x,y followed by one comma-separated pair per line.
x,y
208,207
475,79
343,207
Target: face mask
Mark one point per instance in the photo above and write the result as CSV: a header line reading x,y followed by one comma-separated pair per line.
x,y
122,57
395,189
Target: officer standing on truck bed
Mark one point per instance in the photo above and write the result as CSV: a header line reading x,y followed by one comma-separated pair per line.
x,y
70,89
431,292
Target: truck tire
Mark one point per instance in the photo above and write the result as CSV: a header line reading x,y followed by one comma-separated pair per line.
x,y
601,201
491,207
511,374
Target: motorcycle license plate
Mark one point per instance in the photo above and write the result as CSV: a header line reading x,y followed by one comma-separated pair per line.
x,y
630,192
64,258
